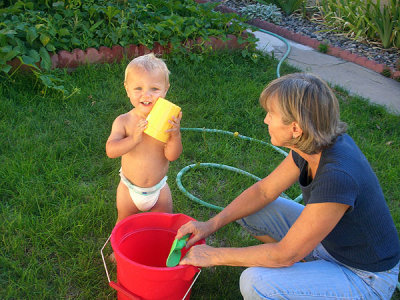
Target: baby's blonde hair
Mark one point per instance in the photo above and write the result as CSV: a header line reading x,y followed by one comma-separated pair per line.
x,y
149,62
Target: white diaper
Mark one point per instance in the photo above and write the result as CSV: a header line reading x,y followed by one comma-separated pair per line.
x,y
144,198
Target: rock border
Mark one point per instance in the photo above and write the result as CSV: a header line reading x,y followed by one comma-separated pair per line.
x,y
314,43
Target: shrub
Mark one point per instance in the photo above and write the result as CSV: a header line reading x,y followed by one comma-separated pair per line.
x,y
287,6
268,12
30,30
323,47
365,19
386,72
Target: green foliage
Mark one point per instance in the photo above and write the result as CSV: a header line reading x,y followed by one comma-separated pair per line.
x,y
365,19
386,72
270,12
323,47
30,31
287,6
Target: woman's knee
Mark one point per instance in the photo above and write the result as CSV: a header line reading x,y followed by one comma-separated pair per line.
x,y
248,282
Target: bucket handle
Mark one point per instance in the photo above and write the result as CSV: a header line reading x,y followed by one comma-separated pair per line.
x,y
127,293
113,284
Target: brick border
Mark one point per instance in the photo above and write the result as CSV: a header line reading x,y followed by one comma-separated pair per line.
x,y
78,57
314,43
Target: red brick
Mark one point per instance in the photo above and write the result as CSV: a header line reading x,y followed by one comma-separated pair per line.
x,y
352,57
106,54
219,44
291,35
283,32
298,38
92,56
118,53
305,40
210,43
344,54
79,57
233,42
361,60
54,61
396,74
157,48
379,67
143,50
65,59
334,51
132,51
370,64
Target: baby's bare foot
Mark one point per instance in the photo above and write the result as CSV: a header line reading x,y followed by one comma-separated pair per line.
x,y
111,258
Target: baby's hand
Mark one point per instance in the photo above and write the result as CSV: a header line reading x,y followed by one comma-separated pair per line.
x,y
138,130
176,125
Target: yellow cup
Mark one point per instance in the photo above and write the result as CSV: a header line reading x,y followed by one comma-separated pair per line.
x,y
158,119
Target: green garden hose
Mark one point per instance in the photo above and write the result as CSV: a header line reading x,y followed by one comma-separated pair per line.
x,y
220,166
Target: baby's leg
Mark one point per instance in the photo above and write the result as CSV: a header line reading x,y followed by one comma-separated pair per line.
x,y
125,205
164,202
125,208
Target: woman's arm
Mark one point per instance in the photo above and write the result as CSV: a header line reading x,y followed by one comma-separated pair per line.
x,y
250,201
314,223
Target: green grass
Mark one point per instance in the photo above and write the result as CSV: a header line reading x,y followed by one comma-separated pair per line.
x,y
57,186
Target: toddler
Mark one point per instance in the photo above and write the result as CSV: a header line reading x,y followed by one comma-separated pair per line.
x,y
144,160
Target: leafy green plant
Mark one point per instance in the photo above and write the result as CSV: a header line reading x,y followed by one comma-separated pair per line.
x,y
323,47
386,72
29,31
361,19
387,21
268,12
287,6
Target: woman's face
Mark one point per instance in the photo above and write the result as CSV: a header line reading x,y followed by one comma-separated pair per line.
x,y
279,132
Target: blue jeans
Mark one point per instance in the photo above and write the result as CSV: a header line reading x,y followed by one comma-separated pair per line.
x,y
320,277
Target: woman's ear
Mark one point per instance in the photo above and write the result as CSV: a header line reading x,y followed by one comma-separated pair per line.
x,y
296,130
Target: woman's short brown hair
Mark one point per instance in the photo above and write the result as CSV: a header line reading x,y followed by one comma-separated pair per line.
x,y
307,100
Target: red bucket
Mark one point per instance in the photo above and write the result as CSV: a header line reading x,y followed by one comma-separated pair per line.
x,y
141,245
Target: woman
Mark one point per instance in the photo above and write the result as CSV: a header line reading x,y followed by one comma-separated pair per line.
x,y
342,244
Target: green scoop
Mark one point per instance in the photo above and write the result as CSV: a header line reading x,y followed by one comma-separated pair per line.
x,y
174,256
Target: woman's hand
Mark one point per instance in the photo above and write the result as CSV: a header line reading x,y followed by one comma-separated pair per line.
x,y
200,256
199,230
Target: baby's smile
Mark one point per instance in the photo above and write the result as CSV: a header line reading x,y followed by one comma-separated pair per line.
x,y
146,103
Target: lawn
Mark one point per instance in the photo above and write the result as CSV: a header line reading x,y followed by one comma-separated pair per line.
x,y
57,185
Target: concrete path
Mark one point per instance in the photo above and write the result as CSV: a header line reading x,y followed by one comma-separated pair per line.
x,y
350,76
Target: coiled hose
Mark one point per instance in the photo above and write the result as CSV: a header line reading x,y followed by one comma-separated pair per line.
x,y
229,168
